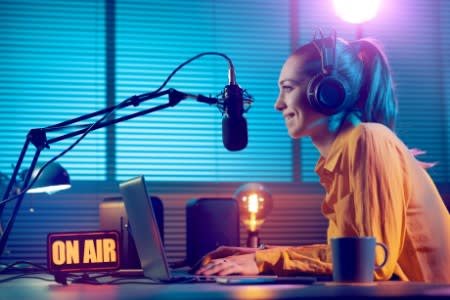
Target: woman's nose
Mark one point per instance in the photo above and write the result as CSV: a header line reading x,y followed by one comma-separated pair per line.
x,y
279,104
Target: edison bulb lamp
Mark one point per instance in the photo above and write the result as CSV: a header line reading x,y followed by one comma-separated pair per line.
x,y
255,204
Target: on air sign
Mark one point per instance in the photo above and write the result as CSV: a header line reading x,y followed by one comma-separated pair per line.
x,y
83,251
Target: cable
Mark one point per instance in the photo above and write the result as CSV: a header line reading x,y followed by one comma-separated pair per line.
x,y
230,63
82,278
11,267
27,272
25,275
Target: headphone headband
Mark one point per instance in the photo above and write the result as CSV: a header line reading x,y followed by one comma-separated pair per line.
x,y
327,91
327,50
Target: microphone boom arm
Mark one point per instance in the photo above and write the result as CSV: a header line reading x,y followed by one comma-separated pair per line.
x,y
38,137
175,97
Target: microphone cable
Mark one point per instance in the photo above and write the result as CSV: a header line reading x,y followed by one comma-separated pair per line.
x,y
115,108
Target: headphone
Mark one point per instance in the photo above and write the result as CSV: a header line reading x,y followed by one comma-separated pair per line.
x,y
327,92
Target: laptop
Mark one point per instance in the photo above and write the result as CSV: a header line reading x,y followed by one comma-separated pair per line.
x,y
150,248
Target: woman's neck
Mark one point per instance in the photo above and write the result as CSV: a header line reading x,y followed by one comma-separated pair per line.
x,y
325,139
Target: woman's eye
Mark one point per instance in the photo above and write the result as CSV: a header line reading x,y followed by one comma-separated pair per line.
x,y
287,88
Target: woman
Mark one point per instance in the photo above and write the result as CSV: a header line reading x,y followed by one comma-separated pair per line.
x,y
341,95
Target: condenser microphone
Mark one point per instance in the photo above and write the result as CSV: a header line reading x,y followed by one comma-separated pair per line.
x,y
234,125
233,102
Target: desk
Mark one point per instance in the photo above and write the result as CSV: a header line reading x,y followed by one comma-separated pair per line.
x,y
33,288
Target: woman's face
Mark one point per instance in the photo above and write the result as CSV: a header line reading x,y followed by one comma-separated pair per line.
x,y
300,118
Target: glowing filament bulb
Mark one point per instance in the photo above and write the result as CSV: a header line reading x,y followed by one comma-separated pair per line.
x,y
253,204
253,222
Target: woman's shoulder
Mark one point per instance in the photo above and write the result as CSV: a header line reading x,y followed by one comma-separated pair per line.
x,y
367,133
366,129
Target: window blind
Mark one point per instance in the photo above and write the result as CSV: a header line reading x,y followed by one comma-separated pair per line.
x,y
414,40
52,70
53,65
444,28
184,143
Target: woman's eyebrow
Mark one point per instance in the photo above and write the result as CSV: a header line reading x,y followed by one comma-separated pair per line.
x,y
292,81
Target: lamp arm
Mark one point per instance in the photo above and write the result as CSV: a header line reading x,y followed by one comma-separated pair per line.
x,y
14,174
38,138
9,225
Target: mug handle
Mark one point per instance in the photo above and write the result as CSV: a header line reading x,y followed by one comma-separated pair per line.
x,y
386,252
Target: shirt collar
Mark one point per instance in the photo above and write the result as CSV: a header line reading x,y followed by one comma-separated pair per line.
x,y
329,163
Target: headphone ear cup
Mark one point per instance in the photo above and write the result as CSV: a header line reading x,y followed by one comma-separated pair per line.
x,y
328,94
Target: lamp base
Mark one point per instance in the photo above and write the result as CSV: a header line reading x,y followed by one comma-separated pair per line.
x,y
253,239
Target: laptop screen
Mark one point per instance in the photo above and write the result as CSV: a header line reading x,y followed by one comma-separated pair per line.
x,y
144,229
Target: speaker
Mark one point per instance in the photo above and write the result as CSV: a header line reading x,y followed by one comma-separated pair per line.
x,y
328,92
113,216
210,223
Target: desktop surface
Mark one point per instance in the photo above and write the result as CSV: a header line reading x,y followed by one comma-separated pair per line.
x,y
42,286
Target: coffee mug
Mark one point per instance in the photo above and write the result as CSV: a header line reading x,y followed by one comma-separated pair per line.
x,y
354,258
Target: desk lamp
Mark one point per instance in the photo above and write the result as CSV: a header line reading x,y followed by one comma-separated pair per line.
x,y
255,204
54,178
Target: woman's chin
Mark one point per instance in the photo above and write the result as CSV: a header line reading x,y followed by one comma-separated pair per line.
x,y
296,134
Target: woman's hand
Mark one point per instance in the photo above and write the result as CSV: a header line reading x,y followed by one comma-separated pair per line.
x,y
225,251
221,252
244,264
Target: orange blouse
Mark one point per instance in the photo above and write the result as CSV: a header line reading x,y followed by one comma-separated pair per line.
x,y
375,187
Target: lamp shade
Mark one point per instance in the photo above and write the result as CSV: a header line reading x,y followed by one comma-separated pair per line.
x,y
53,178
